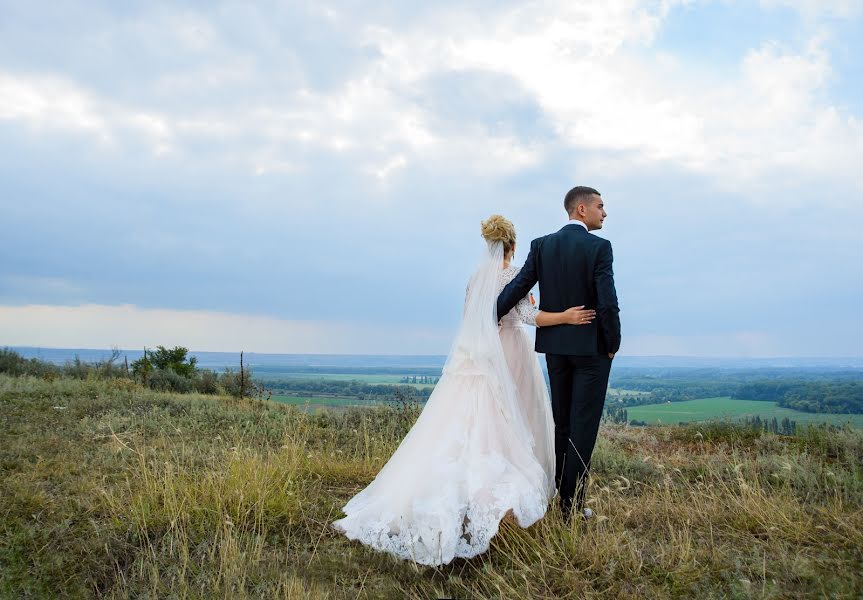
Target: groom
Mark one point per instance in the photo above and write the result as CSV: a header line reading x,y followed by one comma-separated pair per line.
x,y
573,268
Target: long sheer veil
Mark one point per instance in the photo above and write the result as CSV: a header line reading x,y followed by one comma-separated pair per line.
x,y
467,460
477,349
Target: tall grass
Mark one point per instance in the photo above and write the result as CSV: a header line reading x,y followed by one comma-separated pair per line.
x,y
113,490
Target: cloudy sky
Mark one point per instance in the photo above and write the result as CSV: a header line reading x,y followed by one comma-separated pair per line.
x,y
310,177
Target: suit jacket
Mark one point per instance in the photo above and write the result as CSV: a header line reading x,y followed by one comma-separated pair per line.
x,y
573,268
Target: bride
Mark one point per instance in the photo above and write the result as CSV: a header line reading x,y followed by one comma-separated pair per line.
x,y
483,445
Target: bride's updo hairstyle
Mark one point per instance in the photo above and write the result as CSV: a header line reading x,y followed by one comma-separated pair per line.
x,y
499,229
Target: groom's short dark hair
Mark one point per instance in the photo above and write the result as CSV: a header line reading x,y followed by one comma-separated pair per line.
x,y
577,194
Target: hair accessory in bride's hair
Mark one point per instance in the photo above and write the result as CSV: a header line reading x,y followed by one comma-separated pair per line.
x,y
499,229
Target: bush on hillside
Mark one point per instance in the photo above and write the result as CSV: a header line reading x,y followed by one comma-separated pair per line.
x,y
176,359
238,383
207,382
108,368
13,363
166,380
163,370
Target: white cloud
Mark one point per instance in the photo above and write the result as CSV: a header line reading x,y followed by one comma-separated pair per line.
x,y
601,95
588,66
49,102
775,119
130,326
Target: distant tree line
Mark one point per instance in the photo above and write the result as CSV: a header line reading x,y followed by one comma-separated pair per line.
x,y
784,427
422,379
264,370
629,400
773,425
672,389
808,396
814,392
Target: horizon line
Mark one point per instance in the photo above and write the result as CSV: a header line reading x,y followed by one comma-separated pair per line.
x,y
675,356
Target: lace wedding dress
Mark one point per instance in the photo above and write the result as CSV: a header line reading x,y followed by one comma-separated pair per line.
x,y
482,446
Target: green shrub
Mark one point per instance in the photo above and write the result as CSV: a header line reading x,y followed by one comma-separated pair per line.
x,y
102,369
162,358
237,383
207,382
166,380
163,370
12,363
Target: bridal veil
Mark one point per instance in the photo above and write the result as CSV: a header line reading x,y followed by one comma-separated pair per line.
x,y
468,459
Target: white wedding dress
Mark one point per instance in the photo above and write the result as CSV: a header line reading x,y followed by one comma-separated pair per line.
x,y
483,444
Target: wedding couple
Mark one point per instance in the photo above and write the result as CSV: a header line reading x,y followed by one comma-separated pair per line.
x,y
489,441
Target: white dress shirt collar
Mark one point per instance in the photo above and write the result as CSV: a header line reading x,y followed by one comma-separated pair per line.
x,y
571,221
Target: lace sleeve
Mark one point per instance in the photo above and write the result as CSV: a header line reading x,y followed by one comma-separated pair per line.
x,y
526,311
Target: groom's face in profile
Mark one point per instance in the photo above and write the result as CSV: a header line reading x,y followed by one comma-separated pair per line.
x,y
594,212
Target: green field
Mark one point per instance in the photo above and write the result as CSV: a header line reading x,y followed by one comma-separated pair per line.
x,y
362,378
707,409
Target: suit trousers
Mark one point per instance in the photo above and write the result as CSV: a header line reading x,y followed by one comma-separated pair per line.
x,y
578,388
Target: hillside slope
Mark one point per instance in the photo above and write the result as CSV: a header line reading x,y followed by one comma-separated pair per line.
x,y
111,490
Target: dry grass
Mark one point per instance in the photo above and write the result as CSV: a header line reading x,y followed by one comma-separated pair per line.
x,y
125,492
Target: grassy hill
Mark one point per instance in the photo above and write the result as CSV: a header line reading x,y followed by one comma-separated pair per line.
x,y
108,489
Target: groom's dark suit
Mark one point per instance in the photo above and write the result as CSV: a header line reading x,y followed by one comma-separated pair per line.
x,y
573,268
